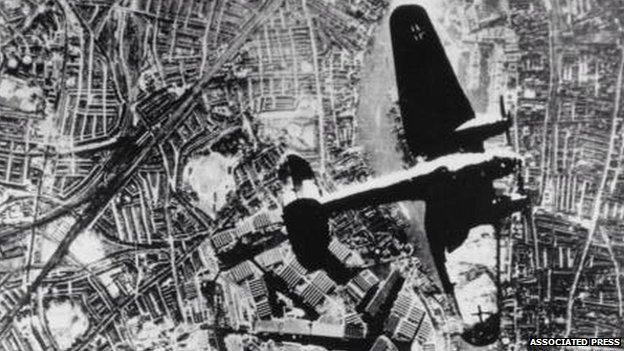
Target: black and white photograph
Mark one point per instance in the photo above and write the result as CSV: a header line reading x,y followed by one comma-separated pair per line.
x,y
311,175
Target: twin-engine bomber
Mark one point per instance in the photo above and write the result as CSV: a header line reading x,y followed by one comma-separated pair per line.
x,y
455,177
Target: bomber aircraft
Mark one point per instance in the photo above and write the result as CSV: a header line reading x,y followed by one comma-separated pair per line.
x,y
455,177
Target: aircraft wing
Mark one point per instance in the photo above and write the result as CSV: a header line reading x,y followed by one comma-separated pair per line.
x,y
431,100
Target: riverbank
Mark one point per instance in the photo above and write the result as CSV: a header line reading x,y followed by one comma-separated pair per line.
x,y
375,129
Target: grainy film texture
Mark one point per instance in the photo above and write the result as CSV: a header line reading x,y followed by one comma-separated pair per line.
x,y
284,175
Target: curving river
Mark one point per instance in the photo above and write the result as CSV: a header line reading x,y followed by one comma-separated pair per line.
x,y
377,94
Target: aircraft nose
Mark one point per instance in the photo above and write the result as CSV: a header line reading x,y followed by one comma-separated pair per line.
x,y
305,217
297,178
308,230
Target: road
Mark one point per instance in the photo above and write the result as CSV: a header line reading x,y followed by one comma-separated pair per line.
x,y
184,104
599,197
125,161
128,300
553,87
72,204
616,266
317,87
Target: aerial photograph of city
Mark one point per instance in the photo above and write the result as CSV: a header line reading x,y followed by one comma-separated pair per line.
x,y
311,175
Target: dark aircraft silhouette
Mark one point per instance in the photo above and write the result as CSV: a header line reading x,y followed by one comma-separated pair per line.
x,y
455,179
